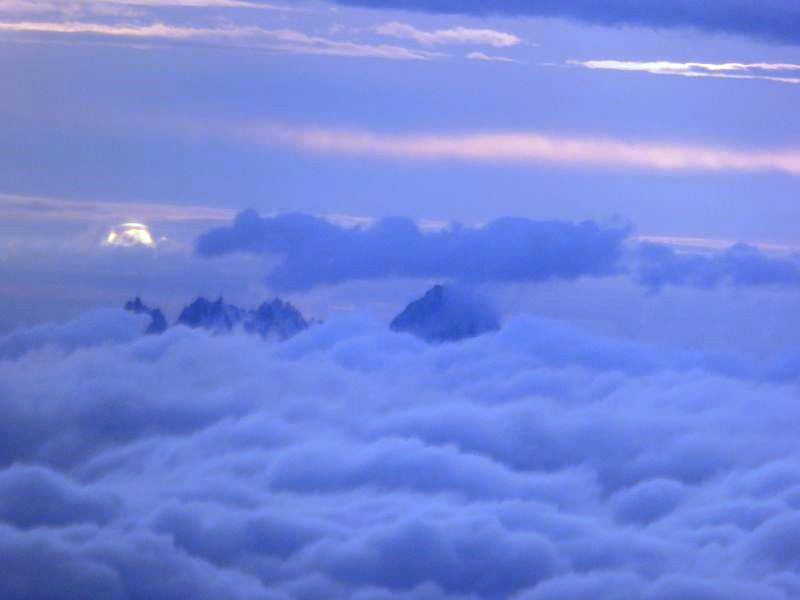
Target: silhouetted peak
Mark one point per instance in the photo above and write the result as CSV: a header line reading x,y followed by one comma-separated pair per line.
x,y
216,315
275,318
158,324
136,306
447,313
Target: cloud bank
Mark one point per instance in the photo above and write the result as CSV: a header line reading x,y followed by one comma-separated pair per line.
x,y
315,251
537,463
770,20
740,265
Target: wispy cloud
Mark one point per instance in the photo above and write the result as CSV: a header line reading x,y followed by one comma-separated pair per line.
x,y
110,7
280,40
15,207
764,71
300,43
154,30
522,147
66,8
489,58
198,3
685,243
456,35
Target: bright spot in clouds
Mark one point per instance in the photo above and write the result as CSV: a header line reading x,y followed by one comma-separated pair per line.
x,y
129,235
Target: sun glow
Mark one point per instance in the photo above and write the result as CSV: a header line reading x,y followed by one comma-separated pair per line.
x,y
129,235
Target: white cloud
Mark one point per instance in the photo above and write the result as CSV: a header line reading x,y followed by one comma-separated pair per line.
x,y
456,35
488,58
278,40
696,69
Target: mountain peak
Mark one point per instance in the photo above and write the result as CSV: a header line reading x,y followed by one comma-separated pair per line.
x,y
158,324
215,315
447,313
274,318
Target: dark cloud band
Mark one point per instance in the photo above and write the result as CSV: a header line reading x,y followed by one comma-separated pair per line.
x,y
314,251
772,20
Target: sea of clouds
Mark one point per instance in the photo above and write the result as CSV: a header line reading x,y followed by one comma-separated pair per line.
x,y
540,462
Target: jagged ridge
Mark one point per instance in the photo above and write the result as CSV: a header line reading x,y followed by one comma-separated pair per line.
x,y
276,318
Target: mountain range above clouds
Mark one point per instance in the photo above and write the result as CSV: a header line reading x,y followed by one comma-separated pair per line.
x,y
445,313
274,319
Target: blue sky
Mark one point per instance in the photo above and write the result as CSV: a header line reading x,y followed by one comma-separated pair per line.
x,y
180,118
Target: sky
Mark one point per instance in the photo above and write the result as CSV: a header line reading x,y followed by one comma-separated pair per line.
x,y
616,183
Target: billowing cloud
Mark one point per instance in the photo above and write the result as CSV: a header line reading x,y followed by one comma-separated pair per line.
x,y
311,251
772,20
456,35
696,69
246,36
522,147
315,251
91,328
540,462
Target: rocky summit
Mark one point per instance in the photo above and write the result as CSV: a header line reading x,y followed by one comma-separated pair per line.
x,y
158,324
276,319
447,314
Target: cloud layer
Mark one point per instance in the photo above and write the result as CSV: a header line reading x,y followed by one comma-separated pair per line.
x,y
772,20
540,462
